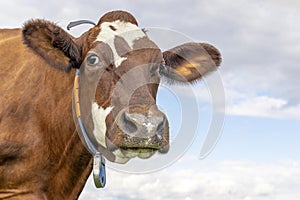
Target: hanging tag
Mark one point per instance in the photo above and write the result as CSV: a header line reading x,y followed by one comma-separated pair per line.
x,y
99,171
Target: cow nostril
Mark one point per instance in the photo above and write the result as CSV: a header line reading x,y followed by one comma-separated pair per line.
x,y
161,127
126,124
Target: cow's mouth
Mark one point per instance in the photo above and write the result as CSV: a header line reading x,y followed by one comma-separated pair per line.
x,y
127,148
123,155
142,148
142,153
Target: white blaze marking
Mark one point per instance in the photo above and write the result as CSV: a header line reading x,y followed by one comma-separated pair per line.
x,y
149,126
128,31
99,115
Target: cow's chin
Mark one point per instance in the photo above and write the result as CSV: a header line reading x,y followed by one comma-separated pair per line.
x,y
124,155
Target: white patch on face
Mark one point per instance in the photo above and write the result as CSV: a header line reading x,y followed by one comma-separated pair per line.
x,y
128,31
149,126
99,115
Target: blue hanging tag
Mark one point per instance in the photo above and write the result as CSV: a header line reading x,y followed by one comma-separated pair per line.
x,y
99,172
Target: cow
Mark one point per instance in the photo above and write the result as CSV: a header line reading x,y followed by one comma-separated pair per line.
x,y
41,153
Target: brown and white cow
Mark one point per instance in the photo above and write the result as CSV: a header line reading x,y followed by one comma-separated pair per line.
x,y
41,155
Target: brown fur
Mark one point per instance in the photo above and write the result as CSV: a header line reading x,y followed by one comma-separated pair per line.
x,y
41,155
117,15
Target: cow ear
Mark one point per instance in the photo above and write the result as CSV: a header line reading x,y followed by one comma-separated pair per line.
x,y
190,61
52,43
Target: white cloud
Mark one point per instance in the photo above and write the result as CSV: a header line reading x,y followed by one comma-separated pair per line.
x,y
260,44
264,106
209,180
261,61
286,3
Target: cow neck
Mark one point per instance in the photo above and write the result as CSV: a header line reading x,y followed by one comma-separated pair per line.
x,y
70,164
60,186
99,161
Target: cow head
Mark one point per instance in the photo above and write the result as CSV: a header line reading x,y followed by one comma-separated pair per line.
x,y
120,71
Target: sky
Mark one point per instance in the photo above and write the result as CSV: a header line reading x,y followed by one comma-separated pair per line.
x,y
257,156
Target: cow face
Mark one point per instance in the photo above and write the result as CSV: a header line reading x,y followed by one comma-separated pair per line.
x,y
120,71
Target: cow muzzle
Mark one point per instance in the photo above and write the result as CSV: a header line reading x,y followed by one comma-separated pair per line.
x,y
141,132
144,130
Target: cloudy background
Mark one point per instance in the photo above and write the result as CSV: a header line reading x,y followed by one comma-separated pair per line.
x,y
258,155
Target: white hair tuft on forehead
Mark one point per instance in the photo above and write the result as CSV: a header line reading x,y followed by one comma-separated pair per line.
x,y
128,31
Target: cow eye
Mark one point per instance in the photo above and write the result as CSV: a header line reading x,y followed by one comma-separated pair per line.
x,y
93,60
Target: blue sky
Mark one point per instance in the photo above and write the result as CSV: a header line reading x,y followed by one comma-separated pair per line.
x,y
258,154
